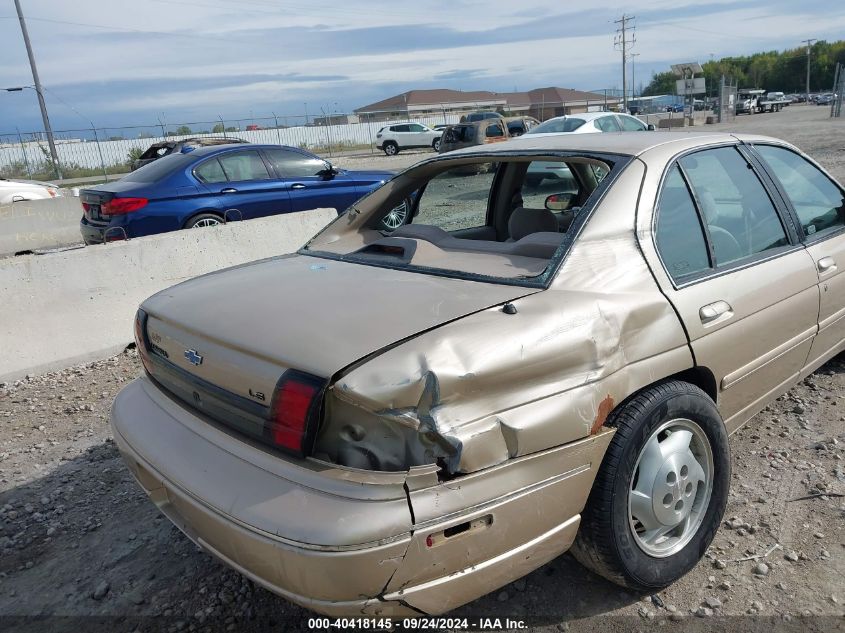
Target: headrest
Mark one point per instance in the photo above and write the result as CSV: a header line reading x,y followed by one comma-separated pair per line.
x,y
527,221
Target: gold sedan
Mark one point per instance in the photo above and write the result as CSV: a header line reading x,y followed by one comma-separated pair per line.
x,y
389,422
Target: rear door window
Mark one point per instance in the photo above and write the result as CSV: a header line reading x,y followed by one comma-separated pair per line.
x,y
739,216
680,236
817,200
210,172
608,124
630,124
244,166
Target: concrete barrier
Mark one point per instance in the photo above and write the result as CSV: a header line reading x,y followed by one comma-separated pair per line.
x,y
70,307
669,123
39,224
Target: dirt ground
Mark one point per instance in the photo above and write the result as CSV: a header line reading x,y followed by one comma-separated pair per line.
x,y
82,549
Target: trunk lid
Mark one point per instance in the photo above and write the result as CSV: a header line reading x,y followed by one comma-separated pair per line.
x,y
238,330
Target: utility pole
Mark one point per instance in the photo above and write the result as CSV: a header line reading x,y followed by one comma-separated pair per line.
x,y
634,75
808,43
623,43
49,130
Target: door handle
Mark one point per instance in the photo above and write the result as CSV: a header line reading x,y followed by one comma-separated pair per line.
x,y
715,311
229,190
297,185
826,264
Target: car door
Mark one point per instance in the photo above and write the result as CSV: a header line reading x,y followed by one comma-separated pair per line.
x,y
420,136
739,277
818,204
309,183
241,180
401,134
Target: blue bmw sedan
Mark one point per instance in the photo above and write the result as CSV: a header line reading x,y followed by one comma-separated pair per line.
x,y
210,185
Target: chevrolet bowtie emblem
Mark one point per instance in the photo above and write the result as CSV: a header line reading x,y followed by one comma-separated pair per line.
x,y
193,357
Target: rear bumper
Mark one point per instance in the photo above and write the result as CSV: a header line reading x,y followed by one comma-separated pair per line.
x,y
340,541
92,233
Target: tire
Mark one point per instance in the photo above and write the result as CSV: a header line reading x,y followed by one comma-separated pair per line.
x,y
436,145
397,216
203,220
390,148
612,540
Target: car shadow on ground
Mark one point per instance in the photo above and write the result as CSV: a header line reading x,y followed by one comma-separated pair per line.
x,y
85,541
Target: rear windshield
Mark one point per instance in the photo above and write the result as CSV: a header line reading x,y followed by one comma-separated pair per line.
x,y
569,124
505,220
159,169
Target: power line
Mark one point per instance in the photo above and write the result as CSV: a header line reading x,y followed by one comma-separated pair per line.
x,y
124,29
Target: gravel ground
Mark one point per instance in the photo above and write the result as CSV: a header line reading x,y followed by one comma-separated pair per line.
x,y
78,539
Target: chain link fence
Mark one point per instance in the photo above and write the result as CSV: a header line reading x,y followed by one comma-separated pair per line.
x,y
102,152
108,151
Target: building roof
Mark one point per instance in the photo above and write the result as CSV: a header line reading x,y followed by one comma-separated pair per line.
x,y
438,96
434,96
553,95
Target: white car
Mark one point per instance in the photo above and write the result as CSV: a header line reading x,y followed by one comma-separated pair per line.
x,y
589,123
398,136
19,190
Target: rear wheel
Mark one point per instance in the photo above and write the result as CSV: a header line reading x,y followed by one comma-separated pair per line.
x,y
203,220
436,145
661,491
397,216
390,148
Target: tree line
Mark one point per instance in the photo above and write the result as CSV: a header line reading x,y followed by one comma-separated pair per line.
x,y
785,71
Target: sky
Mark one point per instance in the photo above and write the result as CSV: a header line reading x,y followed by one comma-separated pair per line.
x,y
141,62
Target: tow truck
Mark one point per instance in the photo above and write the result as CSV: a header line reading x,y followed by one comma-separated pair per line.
x,y
753,101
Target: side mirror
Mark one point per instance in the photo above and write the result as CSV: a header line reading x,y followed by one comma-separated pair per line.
x,y
559,201
650,127
328,172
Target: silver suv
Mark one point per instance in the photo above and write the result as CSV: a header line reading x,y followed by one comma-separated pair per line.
x,y
398,136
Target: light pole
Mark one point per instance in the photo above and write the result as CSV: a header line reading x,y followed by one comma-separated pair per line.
x,y
633,74
49,130
809,44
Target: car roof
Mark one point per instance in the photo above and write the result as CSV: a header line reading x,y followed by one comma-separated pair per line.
x,y
624,143
207,150
584,116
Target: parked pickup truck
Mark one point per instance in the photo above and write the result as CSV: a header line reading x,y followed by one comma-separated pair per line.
x,y
753,101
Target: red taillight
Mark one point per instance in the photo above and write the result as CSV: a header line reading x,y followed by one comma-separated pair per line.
x,y
141,339
119,206
86,206
294,404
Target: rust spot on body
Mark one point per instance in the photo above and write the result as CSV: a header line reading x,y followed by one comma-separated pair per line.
x,y
605,407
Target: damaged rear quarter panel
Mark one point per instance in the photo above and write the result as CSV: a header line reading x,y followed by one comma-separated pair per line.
x,y
493,386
